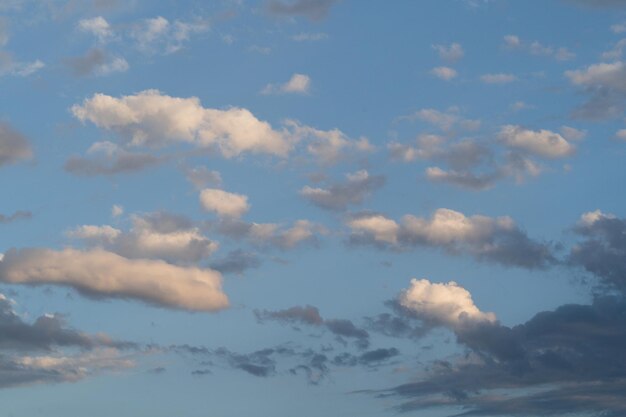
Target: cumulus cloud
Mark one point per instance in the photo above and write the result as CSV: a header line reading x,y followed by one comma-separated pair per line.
x,y
152,119
223,203
158,235
497,240
313,9
297,84
155,120
445,304
544,143
99,273
14,147
338,196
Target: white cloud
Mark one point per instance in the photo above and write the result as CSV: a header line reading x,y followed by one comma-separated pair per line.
x,y
537,48
154,235
224,203
97,26
452,52
621,134
297,84
444,73
152,119
570,133
381,228
443,304
104,274
610,75
544,143
498,78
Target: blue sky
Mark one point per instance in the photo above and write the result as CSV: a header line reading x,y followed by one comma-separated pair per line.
x,y
312,207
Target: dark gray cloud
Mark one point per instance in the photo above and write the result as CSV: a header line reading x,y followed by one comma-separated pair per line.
x,y
544,365
338,196
603,249
309,315
14,146
236,262
18,215
45,333
312,9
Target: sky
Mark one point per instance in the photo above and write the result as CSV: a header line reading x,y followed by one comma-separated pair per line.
x,y
312,207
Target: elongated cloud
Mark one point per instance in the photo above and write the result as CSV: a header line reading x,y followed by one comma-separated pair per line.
x,y
297,84
152,119
485,238
99,273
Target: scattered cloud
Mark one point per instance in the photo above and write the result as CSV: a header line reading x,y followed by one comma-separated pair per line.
x,y
444,73
297,84
497,240
357,187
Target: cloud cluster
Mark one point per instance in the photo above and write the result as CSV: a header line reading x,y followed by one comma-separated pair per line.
x,y
497,240
154,120
158,235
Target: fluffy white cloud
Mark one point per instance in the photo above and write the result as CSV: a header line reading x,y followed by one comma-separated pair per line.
x,y
444,73
542,142
152,119
101,273
224,203
442,304
297,84
378,226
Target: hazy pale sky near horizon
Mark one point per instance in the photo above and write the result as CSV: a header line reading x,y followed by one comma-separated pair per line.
x,y
312,207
